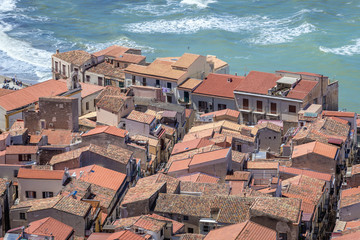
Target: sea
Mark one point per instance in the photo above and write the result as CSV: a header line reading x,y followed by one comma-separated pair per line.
x,y
316,36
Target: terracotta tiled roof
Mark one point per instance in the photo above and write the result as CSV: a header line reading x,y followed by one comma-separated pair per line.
x,y
309,173
21,149
176,225
231,209
186,60
199,177
113,51
304,187
349,197
218,63
151,224
113,152
206,133
319,148
262,165
340,120
286,209
269,125
225,112
108,130
302,89
204,188
159,69
23,97
338,114
238,135
40,174
190,236
239,157
4,91
190,145
101,176
142,192
89,89
111,103
50,227
190,84
110,90
179,165
64,204
246,230
140,117
108,70
59,136
238,176
77,57
258,82
209,156
121,235
219,85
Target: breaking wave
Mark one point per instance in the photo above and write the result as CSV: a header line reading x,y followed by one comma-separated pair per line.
x,y
198,3
347,50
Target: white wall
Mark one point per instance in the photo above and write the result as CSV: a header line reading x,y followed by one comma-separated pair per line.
x,y
38,185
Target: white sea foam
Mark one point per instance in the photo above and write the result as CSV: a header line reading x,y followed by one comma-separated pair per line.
x,y
7,5
22,51
198,3
190,25
347,50
122,41
275,35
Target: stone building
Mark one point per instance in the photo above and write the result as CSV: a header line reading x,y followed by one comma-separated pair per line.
x,y
54,113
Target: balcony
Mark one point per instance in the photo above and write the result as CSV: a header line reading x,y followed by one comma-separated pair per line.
x,y
167,90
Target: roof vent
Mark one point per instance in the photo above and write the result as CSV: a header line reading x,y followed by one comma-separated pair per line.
x,y
229,80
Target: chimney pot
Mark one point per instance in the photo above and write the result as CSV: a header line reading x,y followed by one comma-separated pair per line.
x,y
57,51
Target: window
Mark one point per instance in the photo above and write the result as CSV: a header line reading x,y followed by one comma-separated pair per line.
x,y
133,80
47,194
282,236
273,108
16,173
221,106
121,84
259,106
56,67
42,123
87,105
202,106
100,79
118,64
94,103
186,218
190,230
292,109
161,232
87,78
245,103
168,85
157,84
206,228
169,99
238,148
144,81
64,70
22,216
186,97
30,194
107,82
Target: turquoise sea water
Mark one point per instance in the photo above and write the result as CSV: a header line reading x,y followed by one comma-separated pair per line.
x,y
267,35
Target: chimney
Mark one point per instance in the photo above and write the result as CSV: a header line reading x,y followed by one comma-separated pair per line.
x,y
57,51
